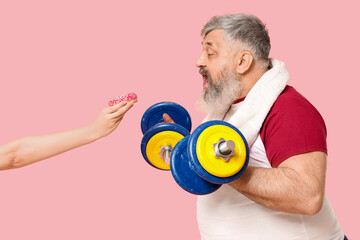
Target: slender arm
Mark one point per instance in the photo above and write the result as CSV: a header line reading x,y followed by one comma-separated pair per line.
x,y
28,150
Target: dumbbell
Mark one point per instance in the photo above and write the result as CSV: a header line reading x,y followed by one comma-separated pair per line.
x,y
159,137
214,154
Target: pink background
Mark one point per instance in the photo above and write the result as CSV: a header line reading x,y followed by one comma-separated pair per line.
x,y
61,61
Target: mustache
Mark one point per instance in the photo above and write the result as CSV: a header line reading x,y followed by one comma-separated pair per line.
x,y
203,71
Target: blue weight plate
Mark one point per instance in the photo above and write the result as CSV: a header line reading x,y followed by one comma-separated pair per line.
x,y
195,161
160,128
185,175
153,115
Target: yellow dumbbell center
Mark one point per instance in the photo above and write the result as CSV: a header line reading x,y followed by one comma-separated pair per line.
x,y
155,143
205,151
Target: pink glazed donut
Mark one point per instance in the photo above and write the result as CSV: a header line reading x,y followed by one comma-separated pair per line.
x,y
127,97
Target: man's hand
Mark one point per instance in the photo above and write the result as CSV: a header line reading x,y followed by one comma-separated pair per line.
x,y
167,118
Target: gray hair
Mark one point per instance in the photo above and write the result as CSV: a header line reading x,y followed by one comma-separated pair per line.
x,y
247,29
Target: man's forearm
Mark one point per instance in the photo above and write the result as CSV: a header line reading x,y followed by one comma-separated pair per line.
x,y
281,189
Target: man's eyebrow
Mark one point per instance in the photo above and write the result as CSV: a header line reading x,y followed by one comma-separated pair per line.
x,y
209,43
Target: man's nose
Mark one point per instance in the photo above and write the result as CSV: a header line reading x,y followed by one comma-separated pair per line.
x,y
200,61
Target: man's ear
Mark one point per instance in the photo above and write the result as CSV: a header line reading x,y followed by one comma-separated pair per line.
x,y
244,59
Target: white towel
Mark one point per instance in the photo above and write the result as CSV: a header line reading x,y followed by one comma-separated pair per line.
x,y
257,104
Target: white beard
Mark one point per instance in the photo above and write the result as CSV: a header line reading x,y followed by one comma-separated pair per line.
x,y
218,97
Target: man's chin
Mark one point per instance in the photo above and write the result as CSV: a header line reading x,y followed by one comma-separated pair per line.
x,y
217,98
207,104
212,107
201,105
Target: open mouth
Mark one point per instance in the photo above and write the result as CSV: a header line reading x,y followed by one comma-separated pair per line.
x,y
205,81
204,74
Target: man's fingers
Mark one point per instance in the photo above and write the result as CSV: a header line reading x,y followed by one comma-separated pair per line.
x,y
167,118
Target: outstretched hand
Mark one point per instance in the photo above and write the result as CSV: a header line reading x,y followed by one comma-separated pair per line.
x,y
109,119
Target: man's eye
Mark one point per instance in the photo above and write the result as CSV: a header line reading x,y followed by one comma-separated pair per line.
x,y
210,54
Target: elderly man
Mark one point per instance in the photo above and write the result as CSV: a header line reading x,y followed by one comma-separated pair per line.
x,y
281,193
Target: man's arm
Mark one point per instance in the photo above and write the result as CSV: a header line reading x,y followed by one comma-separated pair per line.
x,y
296,186
28,150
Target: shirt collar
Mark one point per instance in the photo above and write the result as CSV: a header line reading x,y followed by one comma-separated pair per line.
x,y
239,100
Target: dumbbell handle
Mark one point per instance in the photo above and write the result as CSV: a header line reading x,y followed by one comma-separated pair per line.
x,y
165,153
224,149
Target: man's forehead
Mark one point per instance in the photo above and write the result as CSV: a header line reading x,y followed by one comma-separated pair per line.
x,y
214,38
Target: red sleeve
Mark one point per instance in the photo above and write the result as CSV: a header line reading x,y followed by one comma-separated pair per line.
x,y
293,126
